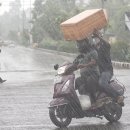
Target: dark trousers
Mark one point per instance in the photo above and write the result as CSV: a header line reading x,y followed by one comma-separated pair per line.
x,y
87,85
104,84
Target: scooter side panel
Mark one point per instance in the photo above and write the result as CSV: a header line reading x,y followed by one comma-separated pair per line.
x,y
58,87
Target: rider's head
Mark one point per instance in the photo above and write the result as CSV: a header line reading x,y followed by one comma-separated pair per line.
x,y
95,42
83,45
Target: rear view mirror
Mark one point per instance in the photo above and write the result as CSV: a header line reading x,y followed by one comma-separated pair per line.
x,y
56,66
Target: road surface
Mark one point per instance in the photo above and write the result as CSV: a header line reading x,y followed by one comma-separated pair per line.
x,y
25,96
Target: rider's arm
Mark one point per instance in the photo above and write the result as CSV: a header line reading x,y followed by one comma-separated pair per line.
x,y
97,34
91,63
77,59
93,60
103,41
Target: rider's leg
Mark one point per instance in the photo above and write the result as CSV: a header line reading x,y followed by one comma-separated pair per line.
x,y
92,82
80,85
104,85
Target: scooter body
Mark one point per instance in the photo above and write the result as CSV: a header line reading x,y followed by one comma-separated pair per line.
x,y
68,104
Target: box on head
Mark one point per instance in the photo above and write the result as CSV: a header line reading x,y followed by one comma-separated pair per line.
x,y
82,25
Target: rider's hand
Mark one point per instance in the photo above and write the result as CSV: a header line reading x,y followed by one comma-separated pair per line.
x,y
80,66
71,69
96,33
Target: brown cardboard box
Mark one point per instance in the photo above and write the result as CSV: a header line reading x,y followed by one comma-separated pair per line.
x,y
83,24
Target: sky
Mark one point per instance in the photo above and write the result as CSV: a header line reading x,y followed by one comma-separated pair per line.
x,y
5,5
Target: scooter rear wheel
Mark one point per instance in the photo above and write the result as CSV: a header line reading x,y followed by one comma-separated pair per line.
x,y
113,112
59,122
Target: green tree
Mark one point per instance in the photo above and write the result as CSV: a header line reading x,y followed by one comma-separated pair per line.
x,y
116,10
10,21
48,15
13,35
120,51
15,15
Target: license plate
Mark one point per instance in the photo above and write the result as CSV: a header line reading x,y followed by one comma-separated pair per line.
x,y
57,79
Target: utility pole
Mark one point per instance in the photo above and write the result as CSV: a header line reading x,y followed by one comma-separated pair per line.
x,y
103,3
23,16
30,35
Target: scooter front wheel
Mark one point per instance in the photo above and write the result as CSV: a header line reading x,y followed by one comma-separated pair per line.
x,y
59,121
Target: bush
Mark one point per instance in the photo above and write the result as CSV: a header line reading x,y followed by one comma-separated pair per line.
x,y
120,51
48,44
64,46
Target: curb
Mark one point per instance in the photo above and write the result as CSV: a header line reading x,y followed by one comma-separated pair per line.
x,y
116,64
123,65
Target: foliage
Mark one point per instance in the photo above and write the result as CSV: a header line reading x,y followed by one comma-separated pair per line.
x,y
14,22
11,20
23,38
48,15
116,10
120,51
13,36
65,46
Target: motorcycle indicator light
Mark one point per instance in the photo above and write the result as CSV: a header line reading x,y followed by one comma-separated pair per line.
x,y
61,70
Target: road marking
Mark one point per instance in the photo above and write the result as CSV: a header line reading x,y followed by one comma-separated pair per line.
x,y
24,126
40,70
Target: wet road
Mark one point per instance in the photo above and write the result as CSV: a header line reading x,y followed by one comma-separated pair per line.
x,y
25,96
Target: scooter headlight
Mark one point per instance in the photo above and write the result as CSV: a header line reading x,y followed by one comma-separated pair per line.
x,y
61,70
66,86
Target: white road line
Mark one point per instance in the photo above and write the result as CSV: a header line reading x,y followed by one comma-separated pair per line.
x,y
25,126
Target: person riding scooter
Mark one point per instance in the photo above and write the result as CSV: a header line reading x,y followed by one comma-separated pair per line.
x,y
68,104
105,66
87,63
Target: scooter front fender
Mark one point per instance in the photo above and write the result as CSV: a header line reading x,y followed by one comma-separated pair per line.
x,y
58,102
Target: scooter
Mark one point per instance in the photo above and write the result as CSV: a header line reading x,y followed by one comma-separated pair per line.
x,y
68,103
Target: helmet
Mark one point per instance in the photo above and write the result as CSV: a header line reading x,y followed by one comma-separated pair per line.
x,y
83,45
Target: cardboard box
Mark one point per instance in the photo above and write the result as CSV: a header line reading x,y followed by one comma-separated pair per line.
x,y
83,24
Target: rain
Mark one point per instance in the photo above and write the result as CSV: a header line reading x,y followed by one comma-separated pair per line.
x,y
32,41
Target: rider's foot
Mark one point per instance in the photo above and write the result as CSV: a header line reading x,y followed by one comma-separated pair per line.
x,y
122,104
120,99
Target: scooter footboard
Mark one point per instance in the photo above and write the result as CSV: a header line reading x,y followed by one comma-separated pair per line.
x,y
58,102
